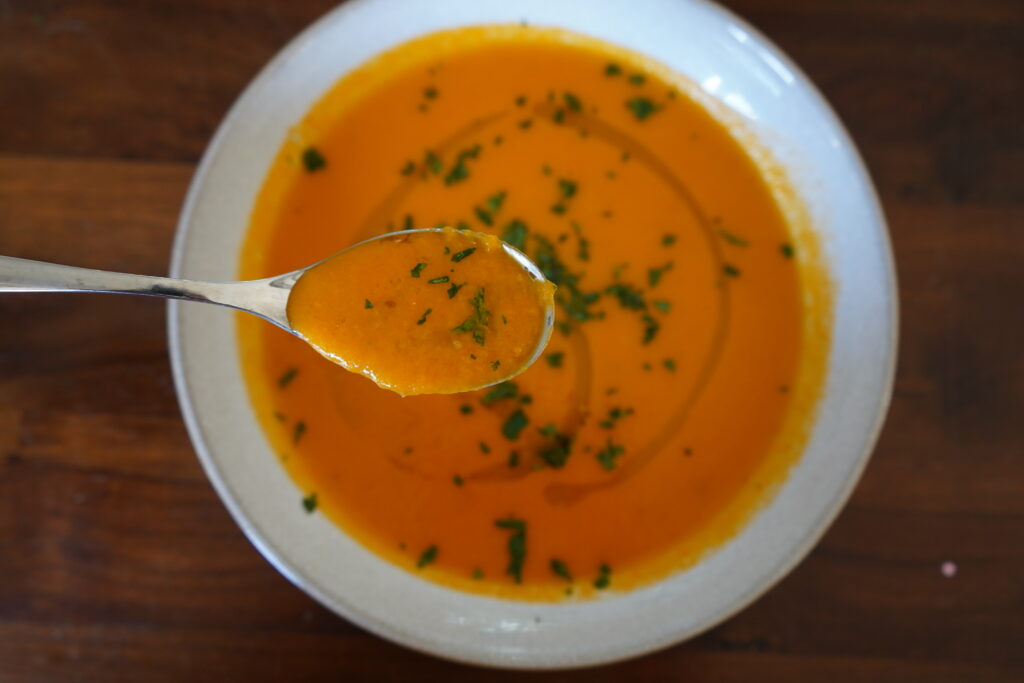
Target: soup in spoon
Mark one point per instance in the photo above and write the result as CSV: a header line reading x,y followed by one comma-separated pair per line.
x,y
426,311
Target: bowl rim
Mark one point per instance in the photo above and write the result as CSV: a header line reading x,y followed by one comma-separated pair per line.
x,y
379,627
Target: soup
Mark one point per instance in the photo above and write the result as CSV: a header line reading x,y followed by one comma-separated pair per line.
x,y
424,312
688,346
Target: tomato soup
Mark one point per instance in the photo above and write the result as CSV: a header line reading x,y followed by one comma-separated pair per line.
x,y
689,342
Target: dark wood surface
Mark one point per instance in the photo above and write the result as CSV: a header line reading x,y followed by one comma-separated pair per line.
x,y
118,562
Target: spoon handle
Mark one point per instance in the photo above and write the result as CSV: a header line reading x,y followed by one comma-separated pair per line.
x,y
267,298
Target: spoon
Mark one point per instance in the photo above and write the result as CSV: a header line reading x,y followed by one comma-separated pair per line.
x,y
267,298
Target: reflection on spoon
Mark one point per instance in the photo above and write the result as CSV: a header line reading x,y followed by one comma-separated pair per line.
x,y
435,311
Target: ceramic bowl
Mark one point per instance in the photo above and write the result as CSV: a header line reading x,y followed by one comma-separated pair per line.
x,y
736,67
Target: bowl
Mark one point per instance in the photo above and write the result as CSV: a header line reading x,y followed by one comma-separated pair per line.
x,y
734,66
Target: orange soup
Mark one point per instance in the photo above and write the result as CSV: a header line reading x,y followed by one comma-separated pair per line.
x,y
688,349
424,311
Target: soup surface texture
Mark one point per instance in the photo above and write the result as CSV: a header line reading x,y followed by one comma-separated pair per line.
x,y
688,349
424,311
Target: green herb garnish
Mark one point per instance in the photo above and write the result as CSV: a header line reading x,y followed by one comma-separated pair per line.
x,y
476,323
299,431
309,503
457,480
367,303
513,459
604,577
558,450
651,327
465,409
612,69
286,378
516,546
459,255
637,79
460,171
629,297
572,102
409,168
732,239
515,424
521,100
668,240
438,280
662,305
424,318
484,215
427,557
430,93
417,269
608,455
787,250
484,448
669,364
515,234
567,187
654,274
454,289
433,162
313,160
555,359
560,570
730,270
641,107
500,391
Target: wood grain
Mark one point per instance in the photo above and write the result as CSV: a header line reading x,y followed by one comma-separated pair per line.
x,y
118,562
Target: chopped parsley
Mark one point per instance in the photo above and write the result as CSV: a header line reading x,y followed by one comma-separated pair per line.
x,y
559,208
787,250
367,303
484,448
637,79
612,69
560,569
641,107
465,409
604,577
615,414
730,270
513,459
454,289
409,168
609,454
460,171
733,239
662,305
654,274
484,215
476,323
500,391
629,297
309,503
286,378
313,160
457,480
668,240
525,124
495,364
433,162
651,327
572,102
417,269
430,93
558,449
521,101
515,424
459,255
427,557
408,224
516,546
495,201
515,234
567,187
555,359
299,431
424,318
438,280
669,364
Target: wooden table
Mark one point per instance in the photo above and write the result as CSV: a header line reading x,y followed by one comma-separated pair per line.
x,y
117,560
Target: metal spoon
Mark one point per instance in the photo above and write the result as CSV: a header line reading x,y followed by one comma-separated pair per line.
x,y
267,298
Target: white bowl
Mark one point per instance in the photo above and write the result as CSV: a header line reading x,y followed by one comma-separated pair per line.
x,y
736,66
